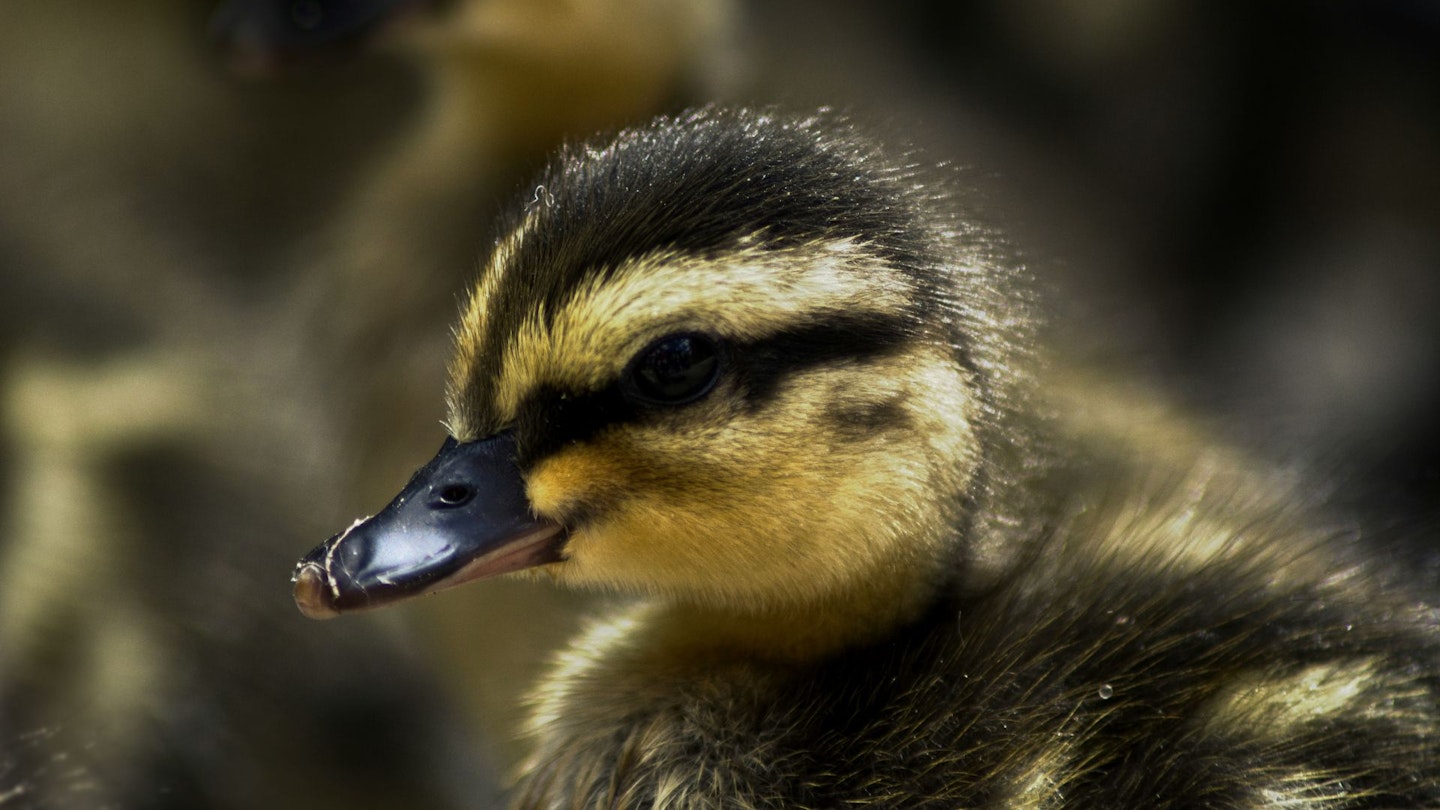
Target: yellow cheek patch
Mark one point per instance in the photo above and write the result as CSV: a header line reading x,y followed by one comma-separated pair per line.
x,y
575,476
769,507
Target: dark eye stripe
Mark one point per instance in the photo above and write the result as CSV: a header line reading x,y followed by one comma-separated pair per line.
x,y
549,419
763,364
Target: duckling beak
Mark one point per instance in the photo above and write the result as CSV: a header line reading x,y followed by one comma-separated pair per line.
x,y
463,516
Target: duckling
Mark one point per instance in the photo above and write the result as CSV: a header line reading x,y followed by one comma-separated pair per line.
x,y
745,367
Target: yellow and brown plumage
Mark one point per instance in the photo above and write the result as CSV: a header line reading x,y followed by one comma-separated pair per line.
x,y
743,366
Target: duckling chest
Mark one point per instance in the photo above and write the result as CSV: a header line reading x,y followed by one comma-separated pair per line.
x,y
874,729
1281,705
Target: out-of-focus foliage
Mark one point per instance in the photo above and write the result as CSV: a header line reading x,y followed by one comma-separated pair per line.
x,y
229,255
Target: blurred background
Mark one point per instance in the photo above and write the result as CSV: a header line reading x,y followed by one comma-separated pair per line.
x,y
232,237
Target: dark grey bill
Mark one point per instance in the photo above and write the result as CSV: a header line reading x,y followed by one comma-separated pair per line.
x,y
463,516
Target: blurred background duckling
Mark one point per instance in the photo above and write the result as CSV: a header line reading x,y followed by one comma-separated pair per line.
x,y
169,377
743,367
1241,193
500,82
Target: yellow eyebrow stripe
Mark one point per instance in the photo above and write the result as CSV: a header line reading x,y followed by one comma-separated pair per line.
x,y
750,294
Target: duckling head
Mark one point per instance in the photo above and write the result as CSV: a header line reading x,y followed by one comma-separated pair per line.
x,y
730,359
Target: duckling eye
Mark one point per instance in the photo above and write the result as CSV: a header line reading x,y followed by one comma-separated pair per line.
x,y
674,370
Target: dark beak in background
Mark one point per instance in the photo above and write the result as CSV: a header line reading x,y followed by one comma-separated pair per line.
x,y
463,516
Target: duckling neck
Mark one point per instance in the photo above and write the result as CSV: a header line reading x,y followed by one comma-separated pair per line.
x,y
796,632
